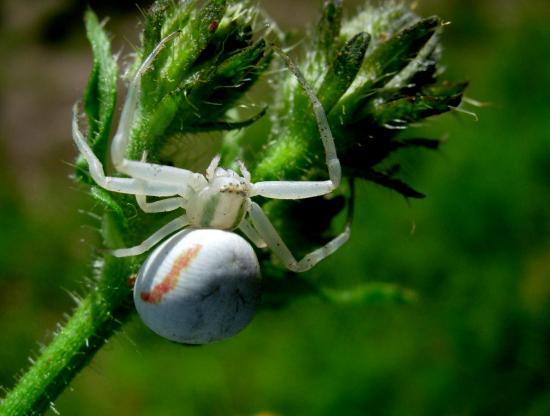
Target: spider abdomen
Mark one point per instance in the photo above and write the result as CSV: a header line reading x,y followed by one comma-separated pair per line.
x,y
199,286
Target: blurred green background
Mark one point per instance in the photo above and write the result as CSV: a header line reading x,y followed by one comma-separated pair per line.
x,y
476,250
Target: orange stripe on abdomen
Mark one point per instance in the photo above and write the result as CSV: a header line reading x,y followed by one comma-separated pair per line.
x,y
171,280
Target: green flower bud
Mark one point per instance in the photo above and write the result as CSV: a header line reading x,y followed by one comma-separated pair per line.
x,y
375,75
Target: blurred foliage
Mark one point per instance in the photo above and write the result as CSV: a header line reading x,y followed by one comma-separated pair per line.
x,y
477,340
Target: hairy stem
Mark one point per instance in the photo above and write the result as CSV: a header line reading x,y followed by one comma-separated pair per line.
x,y
98,316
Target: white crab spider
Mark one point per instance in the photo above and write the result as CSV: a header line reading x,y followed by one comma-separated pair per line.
x,y
205,270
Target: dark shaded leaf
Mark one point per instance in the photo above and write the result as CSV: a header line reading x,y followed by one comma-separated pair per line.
x,y
433,144
446,89
390,182
228,125
399,113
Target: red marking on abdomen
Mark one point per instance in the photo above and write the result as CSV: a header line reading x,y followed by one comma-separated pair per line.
x,y
171,280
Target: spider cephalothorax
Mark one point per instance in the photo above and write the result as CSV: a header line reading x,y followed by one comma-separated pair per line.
x,y
223,202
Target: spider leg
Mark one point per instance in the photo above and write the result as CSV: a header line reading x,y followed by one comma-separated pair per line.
x,y
244,171
141,169
159,235
252,234
211,169
120,141
306,189
164,205
292,189
122,185
267,233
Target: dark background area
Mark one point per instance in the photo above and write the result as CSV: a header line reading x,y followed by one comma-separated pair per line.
x,y
476,250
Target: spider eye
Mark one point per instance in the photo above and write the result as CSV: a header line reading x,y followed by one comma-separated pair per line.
x,y
199,286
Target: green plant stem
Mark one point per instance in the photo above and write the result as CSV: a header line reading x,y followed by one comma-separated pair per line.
x,y
98,316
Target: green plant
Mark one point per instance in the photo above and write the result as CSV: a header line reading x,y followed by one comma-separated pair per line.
x,y
375,74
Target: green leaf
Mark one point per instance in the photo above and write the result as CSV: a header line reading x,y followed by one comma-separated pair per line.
x,y
202,102
399,113
199,75
152,26
343,70
234,66
383,63
396,53
100,93
163,18
187,47
393,109
328,28
109,203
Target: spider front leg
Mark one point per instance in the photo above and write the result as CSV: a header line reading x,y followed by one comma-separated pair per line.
x,y
306,189
122,185
269,234
163,205
301,189
145,178
250,232
142,169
